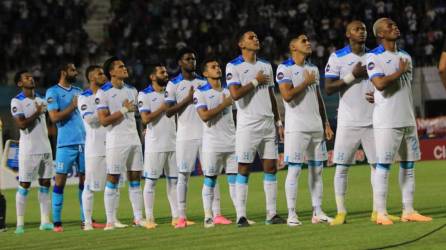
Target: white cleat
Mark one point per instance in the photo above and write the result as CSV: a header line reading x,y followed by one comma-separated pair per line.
x,y
139,223
88,227
208,223
119,225
251,222
109,226
293,221
321,218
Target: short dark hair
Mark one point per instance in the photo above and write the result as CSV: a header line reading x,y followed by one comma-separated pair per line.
x,y
62,67
204,64
18,75
151,69
183,51
108,65
90,69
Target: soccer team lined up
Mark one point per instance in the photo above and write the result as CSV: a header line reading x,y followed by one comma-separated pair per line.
x,y
190,117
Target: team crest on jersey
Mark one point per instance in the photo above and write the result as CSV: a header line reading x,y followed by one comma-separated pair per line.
x,y
49,100
195,100
84,107
370,66
140,103
228,76
14,109
96,100
280,76
327,68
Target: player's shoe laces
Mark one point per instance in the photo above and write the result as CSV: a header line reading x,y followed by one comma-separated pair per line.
x,y
393,218
150,224
58,229
383,219
242,222
139,223
208,223
276,219
221,220
321,218
293,221
182,223
415,217
88,227
20,230
339,219
46,227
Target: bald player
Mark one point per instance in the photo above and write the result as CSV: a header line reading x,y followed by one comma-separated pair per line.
x,y
390,70
345,73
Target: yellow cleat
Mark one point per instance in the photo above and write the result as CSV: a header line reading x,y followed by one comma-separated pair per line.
x,y
414,217
339,219
175,222
150,224
393,218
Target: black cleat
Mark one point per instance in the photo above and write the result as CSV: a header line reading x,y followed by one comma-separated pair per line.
x,y
276,219
242,222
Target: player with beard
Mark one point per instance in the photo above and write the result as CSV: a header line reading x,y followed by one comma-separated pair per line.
x,y
159,143
62,108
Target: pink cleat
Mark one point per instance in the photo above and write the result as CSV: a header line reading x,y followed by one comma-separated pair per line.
x,y
58,229
221,220
182,223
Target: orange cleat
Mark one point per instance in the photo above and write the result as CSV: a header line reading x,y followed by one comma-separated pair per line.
x,y
414,217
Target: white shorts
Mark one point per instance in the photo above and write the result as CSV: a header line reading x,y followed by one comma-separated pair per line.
x,y
95,172
214,163
30,166
396,144
347,143
122,159
156,162
187,154
260,138
302,146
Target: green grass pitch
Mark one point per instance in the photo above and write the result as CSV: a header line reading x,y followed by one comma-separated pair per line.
x,y
358,233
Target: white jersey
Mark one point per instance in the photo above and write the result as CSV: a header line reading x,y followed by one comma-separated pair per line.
x,y
95,133
354,110
302,113
219,132
33,140
124,132
393,105
256,105
160,133
189,124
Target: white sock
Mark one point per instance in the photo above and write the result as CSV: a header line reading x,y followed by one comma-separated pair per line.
x,y
381,187
87,204
117,199
45,204
135,195
183,179
270,188
372,181
149,197
208,195
242,195
232,189
315,185
291,187
407,185
20,202
216,207
171,184
110,199
340,187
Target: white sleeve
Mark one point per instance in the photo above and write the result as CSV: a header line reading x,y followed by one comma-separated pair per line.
x,y
16,108
333,67
144,102
232,77
170,95
101,100
88,112
199,100
374,69
283,75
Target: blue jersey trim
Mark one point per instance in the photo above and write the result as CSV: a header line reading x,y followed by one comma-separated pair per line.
x,y
378,50
87,92
20,96
177,79
376,75
238,60
107,86
205,87
149,89
344,51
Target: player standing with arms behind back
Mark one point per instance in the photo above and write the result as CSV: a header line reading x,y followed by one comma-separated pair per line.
x,y
250,82
390,70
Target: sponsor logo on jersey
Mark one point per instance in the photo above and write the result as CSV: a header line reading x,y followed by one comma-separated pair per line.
x,y
96,100
14,109
84,107
371,66
228,76
280,76
49,100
